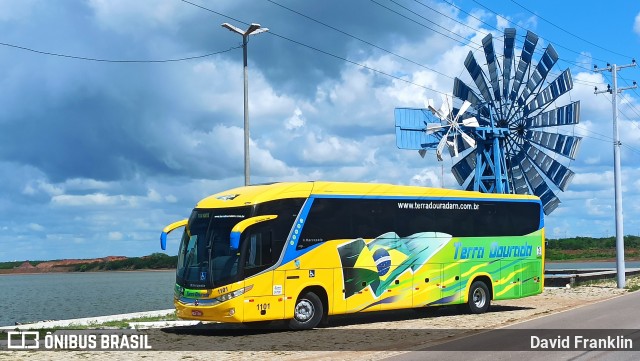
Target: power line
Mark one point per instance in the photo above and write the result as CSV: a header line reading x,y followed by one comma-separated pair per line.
x,y
359,39
450,18
423,25
570,62
397,55
323,51
521,27
568,32
356,63
116,60
215,12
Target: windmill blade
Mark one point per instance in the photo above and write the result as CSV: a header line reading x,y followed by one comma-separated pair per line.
x,y
565,115
441,146
561,85
565,145
520,185
434,127
436,113
461,145
453,146
444,111
440,114
470,122
548,60
467,139
477,75
509,42
490,55
465,167
549,200
429,103
462,110
530,42
554,170
464,92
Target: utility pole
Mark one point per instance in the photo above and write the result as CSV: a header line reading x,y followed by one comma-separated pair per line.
x,y
621,275
252,30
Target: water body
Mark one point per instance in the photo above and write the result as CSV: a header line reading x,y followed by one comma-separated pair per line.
x,y
58,296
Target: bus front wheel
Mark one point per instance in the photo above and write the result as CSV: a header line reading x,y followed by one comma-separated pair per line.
x,y
307,313
479,298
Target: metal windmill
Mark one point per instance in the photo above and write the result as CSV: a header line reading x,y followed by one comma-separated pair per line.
x,y
504,137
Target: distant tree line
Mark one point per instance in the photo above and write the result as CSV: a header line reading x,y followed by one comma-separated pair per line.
x,y
153,261
590,248
576,243
11,265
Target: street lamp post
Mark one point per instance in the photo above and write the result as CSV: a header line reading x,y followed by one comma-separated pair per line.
x,y
252,30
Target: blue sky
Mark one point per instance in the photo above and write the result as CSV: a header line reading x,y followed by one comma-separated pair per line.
x,y
97,157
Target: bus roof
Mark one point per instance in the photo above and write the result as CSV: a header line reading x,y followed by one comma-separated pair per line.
x,y
254,194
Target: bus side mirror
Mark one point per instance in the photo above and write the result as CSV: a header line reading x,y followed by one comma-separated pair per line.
x,y
236,231
168,229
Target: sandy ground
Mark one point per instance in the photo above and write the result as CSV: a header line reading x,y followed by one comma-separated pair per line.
x,y
394,332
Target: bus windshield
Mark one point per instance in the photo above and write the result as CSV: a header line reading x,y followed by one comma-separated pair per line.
x,y
205,258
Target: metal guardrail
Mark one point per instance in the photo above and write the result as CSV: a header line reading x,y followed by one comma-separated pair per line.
x,y
575,277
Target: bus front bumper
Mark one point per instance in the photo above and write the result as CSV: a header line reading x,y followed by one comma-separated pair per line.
x,y
225,312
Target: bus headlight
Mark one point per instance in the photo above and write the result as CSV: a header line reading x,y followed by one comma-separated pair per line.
x,y
234,294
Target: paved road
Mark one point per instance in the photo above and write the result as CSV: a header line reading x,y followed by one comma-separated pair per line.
x,y
615,317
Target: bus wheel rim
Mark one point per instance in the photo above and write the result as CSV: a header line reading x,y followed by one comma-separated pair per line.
x,y
479,297
304,310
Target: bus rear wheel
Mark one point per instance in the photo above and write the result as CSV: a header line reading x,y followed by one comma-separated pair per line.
x,y
479,298
307,313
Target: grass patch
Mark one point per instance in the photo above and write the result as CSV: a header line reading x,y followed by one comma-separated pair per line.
x,y
633,287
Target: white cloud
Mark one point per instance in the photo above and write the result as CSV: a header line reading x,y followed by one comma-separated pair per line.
x,y
42,186
35,227
636,24
426,178
333,150
295,121
596,207
95,199
115,236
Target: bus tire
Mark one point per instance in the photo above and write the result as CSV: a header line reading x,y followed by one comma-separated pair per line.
x,y
307,313
479,298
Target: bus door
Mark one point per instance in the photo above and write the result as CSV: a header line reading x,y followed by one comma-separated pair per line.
x,y
259,250
510,280
451,287
531,277
437,284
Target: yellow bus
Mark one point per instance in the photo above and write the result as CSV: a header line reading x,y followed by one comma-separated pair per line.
x,y
304,251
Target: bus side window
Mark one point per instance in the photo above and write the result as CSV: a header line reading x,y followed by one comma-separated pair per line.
x,y
259,252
